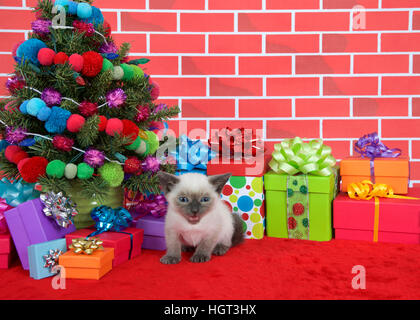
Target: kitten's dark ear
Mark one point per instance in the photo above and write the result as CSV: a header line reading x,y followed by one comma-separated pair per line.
x,y
167,181
219,181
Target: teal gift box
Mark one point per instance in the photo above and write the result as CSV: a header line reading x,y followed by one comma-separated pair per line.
x,y
36,253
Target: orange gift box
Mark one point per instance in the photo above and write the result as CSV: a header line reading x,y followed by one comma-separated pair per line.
x,y
84,266
391,171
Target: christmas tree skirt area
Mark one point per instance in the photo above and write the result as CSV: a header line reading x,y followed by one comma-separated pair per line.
x,y
270,268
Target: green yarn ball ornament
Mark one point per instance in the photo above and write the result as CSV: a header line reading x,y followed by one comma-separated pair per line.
x,y
70,171
128,72
138,72
106,65
84,171
153,141
143,148
117,73
134,145
55,169
112,173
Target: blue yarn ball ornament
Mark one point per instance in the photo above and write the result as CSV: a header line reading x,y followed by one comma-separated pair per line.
x,y
57,122
96,17
34,105
84,10
22,107
72,7
29,50
61,2
44,114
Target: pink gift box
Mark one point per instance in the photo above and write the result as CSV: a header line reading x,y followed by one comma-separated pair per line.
x,y
7,251
399,219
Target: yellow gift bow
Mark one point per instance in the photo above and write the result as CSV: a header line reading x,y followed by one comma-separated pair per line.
x,y
86,245
367,190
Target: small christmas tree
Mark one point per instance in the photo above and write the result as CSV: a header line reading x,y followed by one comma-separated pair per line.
x,y
80,111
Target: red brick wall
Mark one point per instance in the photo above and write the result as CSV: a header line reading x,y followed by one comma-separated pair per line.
x,y
289,67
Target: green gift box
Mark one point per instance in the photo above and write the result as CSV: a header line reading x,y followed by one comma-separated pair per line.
x,y
306,213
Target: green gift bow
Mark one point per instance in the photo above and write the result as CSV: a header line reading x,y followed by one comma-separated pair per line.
x,y
292,156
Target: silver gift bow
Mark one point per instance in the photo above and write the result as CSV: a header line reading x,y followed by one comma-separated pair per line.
x,y
58,207
51,259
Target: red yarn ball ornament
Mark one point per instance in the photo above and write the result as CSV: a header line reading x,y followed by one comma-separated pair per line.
x,y
75,122
15,154
63,143
88,109
46,56
76,62
61,58
130,130
32,168
102,123
114,126
132,165
107,28
92,63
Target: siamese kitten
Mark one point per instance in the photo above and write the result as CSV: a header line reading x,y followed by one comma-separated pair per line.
x,y
197,219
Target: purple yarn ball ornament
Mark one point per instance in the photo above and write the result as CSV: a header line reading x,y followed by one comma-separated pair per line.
x,y
41,26
94,158
108,48
51,97
116,98
151,164
15,136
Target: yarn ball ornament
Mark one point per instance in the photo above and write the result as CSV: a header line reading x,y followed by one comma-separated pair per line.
x,y
134,145
128,72
143,148
106,65
94,158
31,169
55,169
107,29
96,17
92,63
130,130
57,121
15,135
84,171
75,123
132,165
83,27
143,113
151,164
117,73
153,141
61,58
72,7
15,154
138,72
51,97
112,173
34,105
41,26
44,114
23,106
46,56
76,62
61,2
88,109
84,10
103,121
63,143
70,171
116,98
29,50
155,91
15,83
109,47
114,126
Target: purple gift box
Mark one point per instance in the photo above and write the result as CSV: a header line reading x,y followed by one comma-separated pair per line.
x,y
154,231
29,225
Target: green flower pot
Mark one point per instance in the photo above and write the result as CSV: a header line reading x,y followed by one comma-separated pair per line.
x,y
113,199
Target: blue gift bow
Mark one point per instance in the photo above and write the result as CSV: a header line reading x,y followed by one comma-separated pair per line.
x,y
17,192
192,155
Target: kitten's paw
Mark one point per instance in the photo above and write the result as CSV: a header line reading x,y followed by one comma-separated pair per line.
x,y
187,249
200,258
220,250
170,259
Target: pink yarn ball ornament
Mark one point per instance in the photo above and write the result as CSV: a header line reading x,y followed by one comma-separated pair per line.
x,y
76,62
46,56
114,126
155,92
75,122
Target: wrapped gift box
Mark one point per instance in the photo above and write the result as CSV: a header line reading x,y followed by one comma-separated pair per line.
x,y
315,216
390,171
399,219
154,231
127,243
84,266
245,197
29,225
7,252
36,253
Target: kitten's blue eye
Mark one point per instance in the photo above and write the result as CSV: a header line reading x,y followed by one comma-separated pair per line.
x,y
205,199
183,199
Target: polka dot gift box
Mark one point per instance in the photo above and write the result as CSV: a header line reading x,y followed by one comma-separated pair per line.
x,y
245,197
